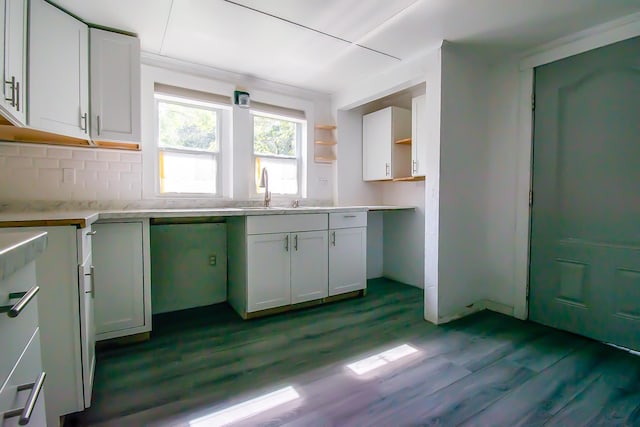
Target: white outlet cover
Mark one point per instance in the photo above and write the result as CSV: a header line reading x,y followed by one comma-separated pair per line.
x,y
68,176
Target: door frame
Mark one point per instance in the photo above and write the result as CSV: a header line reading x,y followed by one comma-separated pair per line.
x,y
584,41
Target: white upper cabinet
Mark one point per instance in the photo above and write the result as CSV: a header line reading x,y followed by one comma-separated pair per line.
x,y
383,158
418,135
58,71
12,99
115,86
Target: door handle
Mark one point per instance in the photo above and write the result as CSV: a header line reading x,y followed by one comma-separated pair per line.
x,y
11,83
99,125
414,169
333,238
387,169
92,291
83,122
286,243
295,242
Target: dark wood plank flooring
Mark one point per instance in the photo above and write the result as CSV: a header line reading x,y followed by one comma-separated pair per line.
x,y
484,370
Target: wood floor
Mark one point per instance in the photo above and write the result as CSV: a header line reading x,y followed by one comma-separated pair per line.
x,y
484,370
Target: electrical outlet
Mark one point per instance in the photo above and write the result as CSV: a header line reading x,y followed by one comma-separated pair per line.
x,y
68,176
213,260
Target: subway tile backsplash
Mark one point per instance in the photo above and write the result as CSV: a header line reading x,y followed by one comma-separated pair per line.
x,y
35,172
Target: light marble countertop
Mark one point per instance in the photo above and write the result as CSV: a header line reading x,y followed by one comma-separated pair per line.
x,y
18,248
84,218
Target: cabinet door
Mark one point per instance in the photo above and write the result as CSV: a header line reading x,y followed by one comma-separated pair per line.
x,y
119,277
115,86
58,71
268,275
418,136
13,65
86,286
347,260
309,266
376,145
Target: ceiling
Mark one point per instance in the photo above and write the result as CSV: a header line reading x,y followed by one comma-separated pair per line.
x,y
327,45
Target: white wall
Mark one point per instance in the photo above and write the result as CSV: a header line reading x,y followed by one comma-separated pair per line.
x,y
404,234
501,199
464,165
182,275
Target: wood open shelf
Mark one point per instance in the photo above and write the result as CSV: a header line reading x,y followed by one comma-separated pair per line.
x,y
409,179
324,159
326,142
326,127
406,141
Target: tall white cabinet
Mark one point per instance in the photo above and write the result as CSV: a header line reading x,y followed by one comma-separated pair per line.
x,y
58,71
14,75
383,159
115,86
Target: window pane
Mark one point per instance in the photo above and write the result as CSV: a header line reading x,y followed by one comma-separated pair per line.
x,y
182,126
283,175
274,136
187,173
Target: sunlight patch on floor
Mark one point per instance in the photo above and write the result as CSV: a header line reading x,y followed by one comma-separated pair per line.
x,y
246,409
376,361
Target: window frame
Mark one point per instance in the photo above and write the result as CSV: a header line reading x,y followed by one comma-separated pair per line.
x,y
217,155
300,140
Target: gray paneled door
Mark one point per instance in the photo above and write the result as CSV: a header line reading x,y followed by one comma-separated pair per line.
x,y
585,230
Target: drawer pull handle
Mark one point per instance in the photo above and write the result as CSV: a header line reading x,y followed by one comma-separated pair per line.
x,y
349,216
25,413
25,297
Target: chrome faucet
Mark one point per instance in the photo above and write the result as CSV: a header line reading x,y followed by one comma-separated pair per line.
x,y
264,183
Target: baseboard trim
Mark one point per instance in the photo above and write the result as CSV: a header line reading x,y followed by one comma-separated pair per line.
x,y
475,307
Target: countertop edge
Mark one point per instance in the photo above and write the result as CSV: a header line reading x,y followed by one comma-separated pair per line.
x,y
18,248
85,219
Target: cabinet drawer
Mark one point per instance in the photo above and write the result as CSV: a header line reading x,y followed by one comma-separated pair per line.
x,y
15,332
85,237
286,223
16,391
347,220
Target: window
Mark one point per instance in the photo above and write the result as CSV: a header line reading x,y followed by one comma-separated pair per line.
x,y
277,143
188,145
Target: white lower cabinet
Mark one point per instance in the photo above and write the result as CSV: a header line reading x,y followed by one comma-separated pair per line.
x,y
347,260
276,260
122,288
280,260
67,336
309,272
347,252
286,268
268,271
